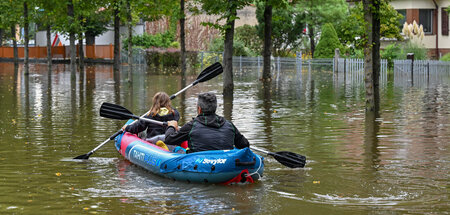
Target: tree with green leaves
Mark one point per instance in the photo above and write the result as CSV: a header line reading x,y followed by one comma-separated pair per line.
x,y
227,12
9,21
46,16
287,27
319,12
248,36
328,42
351,30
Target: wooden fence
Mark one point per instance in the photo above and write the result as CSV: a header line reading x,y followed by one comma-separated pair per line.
x,y
61,52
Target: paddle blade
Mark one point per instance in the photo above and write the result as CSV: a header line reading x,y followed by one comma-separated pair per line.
x,y
83,157
210,72
289,159
113,111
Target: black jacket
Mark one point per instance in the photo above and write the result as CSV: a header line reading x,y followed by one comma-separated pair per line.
x,y
207,132
152,129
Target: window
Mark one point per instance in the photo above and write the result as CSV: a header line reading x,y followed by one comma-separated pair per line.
x,y
444,22
426,20
403,20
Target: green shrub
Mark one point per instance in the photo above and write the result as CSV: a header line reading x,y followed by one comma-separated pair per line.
x,y
420,53
390,53
446,57
159,40
328,42
168,57
248,35
239,48
395,51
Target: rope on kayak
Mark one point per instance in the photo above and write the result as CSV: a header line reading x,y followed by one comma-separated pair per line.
x,y
256,172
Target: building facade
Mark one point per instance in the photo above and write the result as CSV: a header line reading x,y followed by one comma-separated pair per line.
x,y
434,18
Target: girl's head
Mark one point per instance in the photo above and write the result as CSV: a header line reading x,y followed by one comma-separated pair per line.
x,y
160,100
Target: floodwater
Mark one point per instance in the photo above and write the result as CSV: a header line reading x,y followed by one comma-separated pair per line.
x,y
396,163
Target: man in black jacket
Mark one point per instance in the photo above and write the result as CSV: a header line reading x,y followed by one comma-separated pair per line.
x,y
207,131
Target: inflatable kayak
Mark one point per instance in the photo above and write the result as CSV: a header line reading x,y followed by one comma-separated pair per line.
x,y
218,166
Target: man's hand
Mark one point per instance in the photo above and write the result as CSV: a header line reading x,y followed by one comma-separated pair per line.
x,y
173,123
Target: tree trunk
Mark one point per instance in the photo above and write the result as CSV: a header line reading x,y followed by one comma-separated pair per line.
x,y
376,53
116,37
27,37
228,85
73,51
16,51
311,40
81,51
368,56
267,42
90,38
1,37
130,42
49,46
182,40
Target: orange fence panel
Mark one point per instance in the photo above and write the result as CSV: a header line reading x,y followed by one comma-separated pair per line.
x,y
7,52
91,51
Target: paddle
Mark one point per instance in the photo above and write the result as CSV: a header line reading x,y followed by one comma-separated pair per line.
x,y
207,74
113,111
289,159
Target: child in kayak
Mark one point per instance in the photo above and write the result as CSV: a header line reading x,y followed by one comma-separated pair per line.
x,y
161,110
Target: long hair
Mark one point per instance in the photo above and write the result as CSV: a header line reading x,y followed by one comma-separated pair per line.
x,y
160,100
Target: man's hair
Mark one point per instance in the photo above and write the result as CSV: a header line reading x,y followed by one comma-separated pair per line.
x,y
207,102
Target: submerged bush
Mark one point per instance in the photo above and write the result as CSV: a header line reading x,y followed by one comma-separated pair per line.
x,y
398,52
239,48
390,53
420,52
159,40
446,57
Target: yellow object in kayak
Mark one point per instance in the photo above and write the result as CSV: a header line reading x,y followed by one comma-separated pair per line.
x,y
162,145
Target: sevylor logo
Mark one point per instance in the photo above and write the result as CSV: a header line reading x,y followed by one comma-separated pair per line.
x,y
211,161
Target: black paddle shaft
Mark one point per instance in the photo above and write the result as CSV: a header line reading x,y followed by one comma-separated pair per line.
x,y
207,74
113,111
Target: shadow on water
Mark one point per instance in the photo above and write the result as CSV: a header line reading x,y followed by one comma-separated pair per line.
x,y
228,106
371,152
266,92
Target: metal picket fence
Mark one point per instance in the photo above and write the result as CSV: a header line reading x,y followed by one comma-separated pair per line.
x,y
352,70
421,72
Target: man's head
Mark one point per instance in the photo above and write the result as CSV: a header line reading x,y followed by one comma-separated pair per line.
x,y
207,103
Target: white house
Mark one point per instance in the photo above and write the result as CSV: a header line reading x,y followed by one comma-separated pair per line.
x,y
104,39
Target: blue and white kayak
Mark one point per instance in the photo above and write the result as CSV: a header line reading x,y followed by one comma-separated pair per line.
x,y
218,166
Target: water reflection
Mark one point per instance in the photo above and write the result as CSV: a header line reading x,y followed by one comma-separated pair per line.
x,y
228,106
396,157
